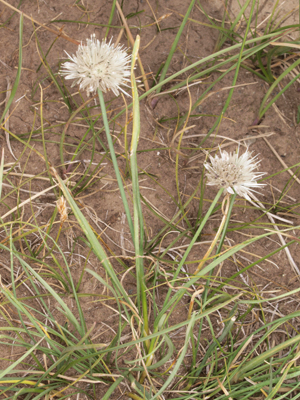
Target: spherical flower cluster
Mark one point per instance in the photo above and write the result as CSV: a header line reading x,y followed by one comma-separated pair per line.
x,y
98,65
233,173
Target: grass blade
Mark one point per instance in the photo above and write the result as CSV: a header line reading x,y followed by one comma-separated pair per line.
x,y
174,45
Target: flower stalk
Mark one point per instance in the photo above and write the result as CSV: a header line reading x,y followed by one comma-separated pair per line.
x,y
225,209
98,67
115,162
137,208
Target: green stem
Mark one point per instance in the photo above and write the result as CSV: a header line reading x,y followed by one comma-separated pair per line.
x,y
115,163
137,207
169,304
213,243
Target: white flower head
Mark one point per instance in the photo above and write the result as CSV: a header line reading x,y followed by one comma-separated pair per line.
x,y
98,65
233,173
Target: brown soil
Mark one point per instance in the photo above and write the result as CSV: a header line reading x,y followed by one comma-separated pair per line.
x,y
101,203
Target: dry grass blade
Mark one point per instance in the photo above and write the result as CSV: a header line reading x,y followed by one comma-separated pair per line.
x,y
28,201
286,249
281,161
57,33
241,351
288,44
224,389
154,16
6,124
130,37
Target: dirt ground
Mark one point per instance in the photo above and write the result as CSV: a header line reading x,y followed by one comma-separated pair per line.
x,y
102,203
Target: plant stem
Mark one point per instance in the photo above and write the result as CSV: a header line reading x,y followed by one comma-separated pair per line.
x,y
137,208
115,163
225,216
